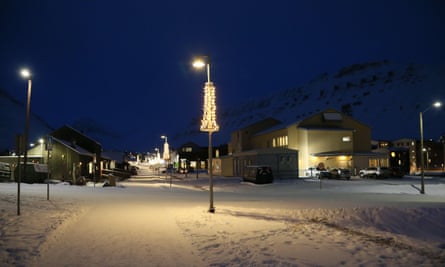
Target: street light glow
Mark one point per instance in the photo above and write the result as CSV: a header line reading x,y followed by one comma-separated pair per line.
x,y
199,63
25,73
437,104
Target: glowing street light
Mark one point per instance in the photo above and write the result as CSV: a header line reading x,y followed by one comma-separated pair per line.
x,y
208,122
422,172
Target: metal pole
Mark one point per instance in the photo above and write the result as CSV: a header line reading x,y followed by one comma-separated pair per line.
x,y
211,208
208,72
19,175
198,162
47,177
25,141
422,188
24,144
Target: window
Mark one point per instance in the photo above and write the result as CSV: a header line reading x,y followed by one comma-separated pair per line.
x,y
281,141
187,149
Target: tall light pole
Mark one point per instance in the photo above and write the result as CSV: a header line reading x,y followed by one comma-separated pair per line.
x,y
208,122
27,75
422,172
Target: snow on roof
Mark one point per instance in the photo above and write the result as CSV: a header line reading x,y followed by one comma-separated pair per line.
x,y
74,147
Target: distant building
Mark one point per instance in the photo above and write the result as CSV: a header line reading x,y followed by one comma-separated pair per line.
x,y
405,153
193,157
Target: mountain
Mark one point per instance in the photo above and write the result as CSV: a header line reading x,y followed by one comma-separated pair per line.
x,y
12,122
386,96
383,95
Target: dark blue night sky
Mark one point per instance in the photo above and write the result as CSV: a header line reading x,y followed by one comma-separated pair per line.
x,y
126,65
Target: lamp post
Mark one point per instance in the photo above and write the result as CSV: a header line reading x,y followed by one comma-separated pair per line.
x,y
422,172
208,122
27,75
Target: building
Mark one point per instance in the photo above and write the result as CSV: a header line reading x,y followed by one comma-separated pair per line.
x,y
405,154
328,139
69,155
194,157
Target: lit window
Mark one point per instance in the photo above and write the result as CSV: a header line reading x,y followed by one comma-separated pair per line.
x,y
187,149
281,141
346,139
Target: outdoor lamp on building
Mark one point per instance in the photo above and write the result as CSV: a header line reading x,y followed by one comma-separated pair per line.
x,y
422,172
208,122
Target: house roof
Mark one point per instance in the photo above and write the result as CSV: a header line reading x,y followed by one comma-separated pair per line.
x,y
67,132
328,115
79,150
326,128
271,129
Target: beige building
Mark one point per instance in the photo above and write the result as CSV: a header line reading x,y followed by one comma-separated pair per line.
x,y
328,139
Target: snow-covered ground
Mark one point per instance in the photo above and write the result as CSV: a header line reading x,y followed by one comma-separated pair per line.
x,y
147,221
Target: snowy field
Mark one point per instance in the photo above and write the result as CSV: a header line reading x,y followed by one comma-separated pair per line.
x,y
147,221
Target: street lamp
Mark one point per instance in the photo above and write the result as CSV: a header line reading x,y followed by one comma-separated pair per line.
x,y
208,122
25,73
422,173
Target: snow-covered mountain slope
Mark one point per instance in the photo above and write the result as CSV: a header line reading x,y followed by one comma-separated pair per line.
x,y
386,96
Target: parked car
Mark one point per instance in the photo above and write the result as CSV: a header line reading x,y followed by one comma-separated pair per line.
x,y
340,173
383,172
397,172
34,173
375,172
324,174
313,172
258,174
5,171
